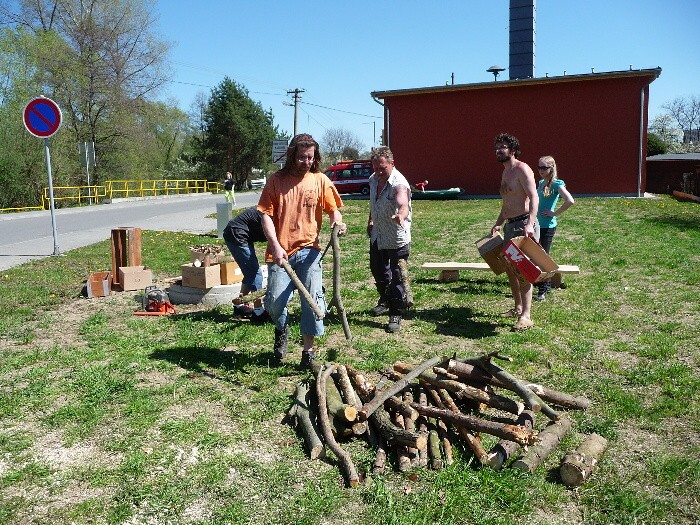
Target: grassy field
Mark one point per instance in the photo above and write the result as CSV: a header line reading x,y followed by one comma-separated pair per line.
x,y
107,418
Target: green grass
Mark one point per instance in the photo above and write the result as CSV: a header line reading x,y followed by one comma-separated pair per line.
x,y
110,418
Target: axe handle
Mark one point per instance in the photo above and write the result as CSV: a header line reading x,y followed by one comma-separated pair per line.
x,y
302,290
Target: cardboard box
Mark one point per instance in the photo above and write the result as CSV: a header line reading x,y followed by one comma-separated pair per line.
x,y
490,248
201,277
529,259
135,277
98,284
230,273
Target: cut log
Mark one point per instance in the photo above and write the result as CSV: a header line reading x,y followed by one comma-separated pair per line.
x,y
505,449
394,404
473,441
343,413
423,429
337,300
343,457
578,465
394,435
518,386
445,440
467,371
379,463
378,400
364,388
249,298
305,422
410,425
348,393
302,290
434,448
520,435
549,439
402,451
406,281
463,391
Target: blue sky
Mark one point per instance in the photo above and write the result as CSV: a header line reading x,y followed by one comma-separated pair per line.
x,y
339,52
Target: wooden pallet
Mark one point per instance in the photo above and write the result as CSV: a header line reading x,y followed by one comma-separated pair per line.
x,y
449,271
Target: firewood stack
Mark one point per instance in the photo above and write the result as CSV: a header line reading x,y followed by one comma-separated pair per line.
x,y
419,413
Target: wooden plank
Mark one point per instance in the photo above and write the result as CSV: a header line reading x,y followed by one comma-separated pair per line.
x,y
563,268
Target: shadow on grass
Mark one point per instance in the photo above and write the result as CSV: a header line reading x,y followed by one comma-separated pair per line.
x,y
454,321
206,360
679,223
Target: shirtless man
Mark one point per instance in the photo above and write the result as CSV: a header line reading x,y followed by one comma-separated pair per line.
x,y
518,217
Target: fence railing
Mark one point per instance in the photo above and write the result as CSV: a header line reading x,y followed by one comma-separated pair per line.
x,y
151,188
114,189
79,194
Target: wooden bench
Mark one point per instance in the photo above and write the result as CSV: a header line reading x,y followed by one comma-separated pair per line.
x,y
449,271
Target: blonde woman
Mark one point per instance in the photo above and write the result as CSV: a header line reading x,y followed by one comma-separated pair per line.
x,y
549,190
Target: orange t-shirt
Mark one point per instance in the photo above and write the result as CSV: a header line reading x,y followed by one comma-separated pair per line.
x,y
296,205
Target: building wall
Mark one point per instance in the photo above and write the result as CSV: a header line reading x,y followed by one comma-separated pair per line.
x,y
666,176
591,127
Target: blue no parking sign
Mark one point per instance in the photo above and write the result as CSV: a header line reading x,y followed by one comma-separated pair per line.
x,y
42,117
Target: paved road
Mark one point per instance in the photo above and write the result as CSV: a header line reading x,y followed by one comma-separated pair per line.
x,y
28,235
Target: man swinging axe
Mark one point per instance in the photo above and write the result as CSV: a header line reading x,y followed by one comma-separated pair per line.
x,y
293,202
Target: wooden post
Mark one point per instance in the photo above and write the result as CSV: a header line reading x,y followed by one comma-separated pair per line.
x,y
126,251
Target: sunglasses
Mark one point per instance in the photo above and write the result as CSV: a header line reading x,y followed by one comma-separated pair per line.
x,y
543,167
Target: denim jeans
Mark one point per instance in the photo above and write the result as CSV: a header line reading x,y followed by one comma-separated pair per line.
x,y
306,263
247,260
546,237
384,265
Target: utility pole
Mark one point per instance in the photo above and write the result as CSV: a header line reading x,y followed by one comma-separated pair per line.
x,y
297,97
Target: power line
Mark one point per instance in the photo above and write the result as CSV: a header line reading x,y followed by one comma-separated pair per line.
x,y
341,110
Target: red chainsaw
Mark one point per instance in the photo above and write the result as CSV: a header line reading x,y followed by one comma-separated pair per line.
x,y
155,302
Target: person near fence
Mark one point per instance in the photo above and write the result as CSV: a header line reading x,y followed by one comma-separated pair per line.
x,y
549,190
293,202
228,188
389,230
518,217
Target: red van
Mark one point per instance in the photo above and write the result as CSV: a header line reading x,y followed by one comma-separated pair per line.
x,y
351,176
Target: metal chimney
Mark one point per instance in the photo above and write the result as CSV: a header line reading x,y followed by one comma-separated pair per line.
x,y
522,39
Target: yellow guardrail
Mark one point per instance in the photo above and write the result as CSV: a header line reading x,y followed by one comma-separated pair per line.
x,y
23,208
150,188
79,194
113,189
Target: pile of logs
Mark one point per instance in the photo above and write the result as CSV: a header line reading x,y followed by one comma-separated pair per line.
x,y
421,412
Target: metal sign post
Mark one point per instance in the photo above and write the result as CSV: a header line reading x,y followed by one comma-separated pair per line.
x,y
87,159
42,118
56,251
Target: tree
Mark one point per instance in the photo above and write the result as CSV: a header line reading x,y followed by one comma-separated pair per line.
x,y
686,113
337,142
105,62
655,146
237,135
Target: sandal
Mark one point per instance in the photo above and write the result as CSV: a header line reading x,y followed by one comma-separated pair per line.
x,y
522,324
510,313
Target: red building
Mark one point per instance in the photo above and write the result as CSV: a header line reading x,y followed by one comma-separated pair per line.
x,y
594,125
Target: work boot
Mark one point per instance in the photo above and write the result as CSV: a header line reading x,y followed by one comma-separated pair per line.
x,y
394,324
381,308
307,357
281,343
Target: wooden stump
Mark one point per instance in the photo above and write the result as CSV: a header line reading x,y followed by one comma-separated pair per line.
x,y
449,276
578,465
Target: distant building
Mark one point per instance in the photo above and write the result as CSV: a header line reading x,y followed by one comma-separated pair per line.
x,y
674,172
594,125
